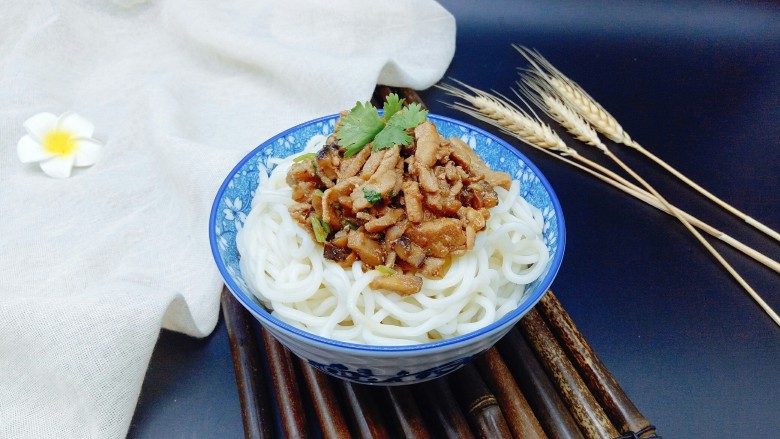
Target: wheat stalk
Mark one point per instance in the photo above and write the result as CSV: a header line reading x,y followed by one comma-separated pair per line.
x,y
699,237
505,115
728,207
578,99
572,121
502,113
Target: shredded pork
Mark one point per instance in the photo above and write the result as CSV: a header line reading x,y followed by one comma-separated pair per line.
x,y
404,210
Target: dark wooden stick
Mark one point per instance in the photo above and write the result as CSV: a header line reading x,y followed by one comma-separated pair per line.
x,y
411,96
256,410
288,395
479,404
583,406
550,410
605,388
367,415
519,415
410,421
380,93
326,403
441,410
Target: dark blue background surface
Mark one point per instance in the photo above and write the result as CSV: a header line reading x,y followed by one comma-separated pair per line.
x,y
698,84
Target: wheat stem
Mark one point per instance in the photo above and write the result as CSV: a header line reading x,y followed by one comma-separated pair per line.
x,y
772,314
615,180
573,122
609,177
576,97
733,210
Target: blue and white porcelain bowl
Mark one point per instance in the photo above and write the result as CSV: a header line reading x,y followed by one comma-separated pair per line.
x,y
384,365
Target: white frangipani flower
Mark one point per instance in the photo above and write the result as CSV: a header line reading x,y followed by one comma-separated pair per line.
x,y
58,143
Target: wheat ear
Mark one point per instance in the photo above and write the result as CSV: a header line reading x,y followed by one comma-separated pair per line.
x,y
576,97
574,124
499,112
514,121
541,94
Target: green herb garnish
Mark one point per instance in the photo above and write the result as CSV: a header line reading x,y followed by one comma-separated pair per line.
x,y
395,131
318,193
363,125
372,197
392,105
302,157
384,269
359,127
321,228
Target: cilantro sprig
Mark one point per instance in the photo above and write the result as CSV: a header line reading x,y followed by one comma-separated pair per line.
x,y
363,124
392,105
359,127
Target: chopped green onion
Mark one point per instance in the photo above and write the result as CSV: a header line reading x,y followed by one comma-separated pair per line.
x,y
302,157
318,193
384,270
321,228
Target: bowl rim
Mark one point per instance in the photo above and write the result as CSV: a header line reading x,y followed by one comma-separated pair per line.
x,y
265,317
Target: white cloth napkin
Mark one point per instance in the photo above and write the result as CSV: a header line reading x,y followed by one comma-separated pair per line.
x,y
91,267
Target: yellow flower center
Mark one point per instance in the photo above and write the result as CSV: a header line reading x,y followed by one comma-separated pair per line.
x,y
59,142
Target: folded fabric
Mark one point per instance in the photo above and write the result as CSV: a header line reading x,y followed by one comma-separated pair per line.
x,y
92,266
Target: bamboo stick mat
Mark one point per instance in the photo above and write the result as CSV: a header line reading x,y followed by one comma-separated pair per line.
x,y
542,380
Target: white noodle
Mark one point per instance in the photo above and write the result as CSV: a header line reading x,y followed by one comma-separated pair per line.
x,y
288,273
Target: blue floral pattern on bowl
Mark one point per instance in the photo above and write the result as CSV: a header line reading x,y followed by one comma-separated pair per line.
x,y
352,361
367,376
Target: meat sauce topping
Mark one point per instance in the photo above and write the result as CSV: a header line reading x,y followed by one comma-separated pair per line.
x,y
404,210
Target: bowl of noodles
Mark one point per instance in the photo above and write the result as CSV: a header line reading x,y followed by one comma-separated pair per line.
x,y
366,276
